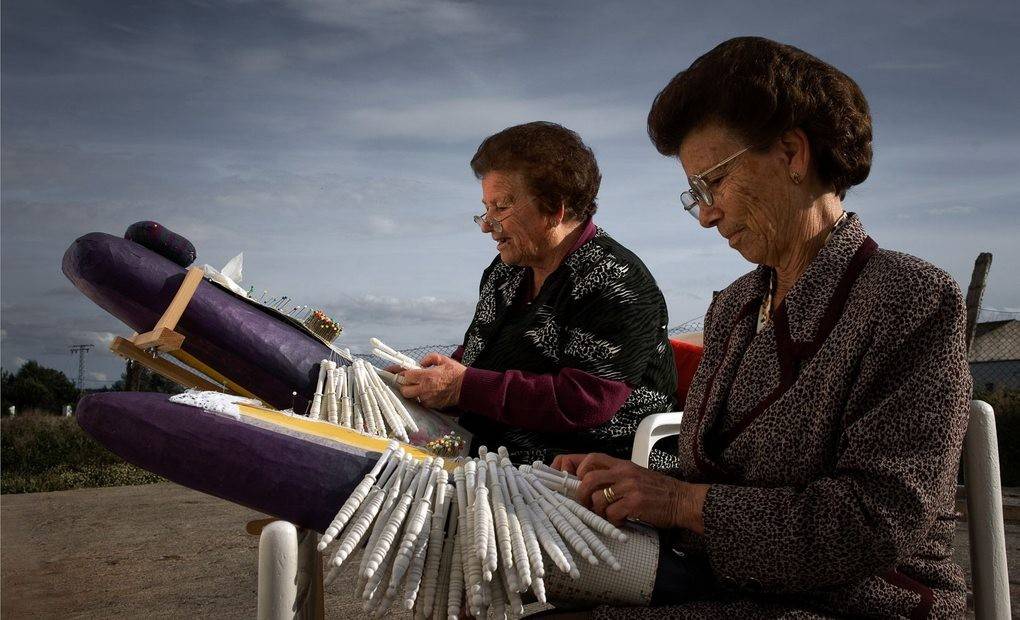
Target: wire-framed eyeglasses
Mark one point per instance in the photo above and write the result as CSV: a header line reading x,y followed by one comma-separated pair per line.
x,y
496,224
699,194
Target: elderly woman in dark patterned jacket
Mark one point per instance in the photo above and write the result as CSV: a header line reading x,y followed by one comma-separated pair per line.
x,y
822,432
567,350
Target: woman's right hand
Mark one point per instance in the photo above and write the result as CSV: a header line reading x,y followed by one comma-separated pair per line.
x,y
637,493
568,462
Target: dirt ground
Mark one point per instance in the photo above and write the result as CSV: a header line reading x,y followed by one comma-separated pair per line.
x,y
166,551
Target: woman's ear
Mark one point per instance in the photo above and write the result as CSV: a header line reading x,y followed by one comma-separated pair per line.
x,y
557,218
796,150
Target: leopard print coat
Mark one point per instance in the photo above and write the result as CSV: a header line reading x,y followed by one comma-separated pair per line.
x,y
831,440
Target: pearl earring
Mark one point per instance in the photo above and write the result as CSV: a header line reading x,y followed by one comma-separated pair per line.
x,y
795,177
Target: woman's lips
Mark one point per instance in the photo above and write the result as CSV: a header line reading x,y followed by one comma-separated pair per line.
x,y
733,236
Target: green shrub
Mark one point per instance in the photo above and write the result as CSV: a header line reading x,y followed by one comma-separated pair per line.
x,y
38,443
52,453
64,478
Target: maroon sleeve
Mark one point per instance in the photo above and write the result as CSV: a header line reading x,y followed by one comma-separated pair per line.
x,y
458,353
569,400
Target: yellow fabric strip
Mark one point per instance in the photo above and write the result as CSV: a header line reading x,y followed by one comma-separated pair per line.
x,y
333,432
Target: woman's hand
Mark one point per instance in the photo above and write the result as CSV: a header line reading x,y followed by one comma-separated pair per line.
x,y
568,462
637,493
436,384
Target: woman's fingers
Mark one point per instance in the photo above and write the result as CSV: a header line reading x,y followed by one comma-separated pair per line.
x,y
592,484
411,390
632,499
433,385
596,460
418,383
568,462
413,375
432,359
620,511
620,488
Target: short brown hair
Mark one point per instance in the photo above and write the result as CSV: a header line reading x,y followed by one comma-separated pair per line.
x,y
760,89
556,165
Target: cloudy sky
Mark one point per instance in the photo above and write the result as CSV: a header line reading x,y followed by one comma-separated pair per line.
x,y
329,141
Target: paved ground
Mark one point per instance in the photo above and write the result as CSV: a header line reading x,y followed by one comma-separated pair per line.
x,y
166,551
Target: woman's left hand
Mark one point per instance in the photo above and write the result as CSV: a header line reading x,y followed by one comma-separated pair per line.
x,y
437,383
637,493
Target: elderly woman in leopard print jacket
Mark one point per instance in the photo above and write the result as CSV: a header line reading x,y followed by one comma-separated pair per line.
x,y
822,433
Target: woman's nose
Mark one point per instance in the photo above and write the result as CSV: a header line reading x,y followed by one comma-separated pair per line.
x,y
708,216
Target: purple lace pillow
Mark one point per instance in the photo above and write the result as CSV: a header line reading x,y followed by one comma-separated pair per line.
x,y
162,241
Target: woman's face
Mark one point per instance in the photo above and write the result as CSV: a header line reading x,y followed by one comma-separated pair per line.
x,y
752,205
526,235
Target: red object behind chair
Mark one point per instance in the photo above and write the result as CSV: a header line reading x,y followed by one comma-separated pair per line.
x,y
687,357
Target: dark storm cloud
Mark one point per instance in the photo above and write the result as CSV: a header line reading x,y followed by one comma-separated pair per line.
x,y
329,141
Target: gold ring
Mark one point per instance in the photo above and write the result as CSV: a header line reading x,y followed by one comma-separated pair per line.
x,y
607,492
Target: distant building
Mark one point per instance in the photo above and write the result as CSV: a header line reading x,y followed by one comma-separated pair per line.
x,y
995,356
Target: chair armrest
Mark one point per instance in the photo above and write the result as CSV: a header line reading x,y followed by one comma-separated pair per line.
x,y
652,429
984,514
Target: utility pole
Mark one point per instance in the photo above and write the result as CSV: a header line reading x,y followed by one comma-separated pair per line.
x,y
975,291
81,350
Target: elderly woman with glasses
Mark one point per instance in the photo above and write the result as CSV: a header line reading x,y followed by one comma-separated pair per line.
x,y
821,435
567,349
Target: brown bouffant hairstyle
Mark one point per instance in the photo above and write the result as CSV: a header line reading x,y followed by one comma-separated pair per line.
x,y
760,89
556,165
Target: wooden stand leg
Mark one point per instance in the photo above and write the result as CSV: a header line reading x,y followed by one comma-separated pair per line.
x,y
125,348
163,336
206,370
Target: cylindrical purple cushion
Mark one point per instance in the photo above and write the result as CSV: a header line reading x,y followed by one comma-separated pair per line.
x,y
279,474
264,353
162,241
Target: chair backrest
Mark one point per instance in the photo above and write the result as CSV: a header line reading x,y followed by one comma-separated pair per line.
x,y
687,355
989,573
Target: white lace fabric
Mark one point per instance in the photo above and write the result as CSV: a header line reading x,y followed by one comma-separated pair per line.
x,y
217,402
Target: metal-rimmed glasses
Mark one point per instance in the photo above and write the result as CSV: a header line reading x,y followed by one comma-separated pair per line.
x,y
700,194
496,224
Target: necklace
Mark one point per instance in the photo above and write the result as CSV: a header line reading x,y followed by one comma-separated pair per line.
x,y
765,311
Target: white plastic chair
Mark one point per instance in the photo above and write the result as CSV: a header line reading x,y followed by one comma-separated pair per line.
x,y
290,573
653,428
988,568
984,501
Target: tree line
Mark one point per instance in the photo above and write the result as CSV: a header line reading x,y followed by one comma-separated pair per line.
x,y
34,386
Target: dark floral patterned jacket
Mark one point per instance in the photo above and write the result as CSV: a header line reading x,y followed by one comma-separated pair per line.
x,y
832,440
601,313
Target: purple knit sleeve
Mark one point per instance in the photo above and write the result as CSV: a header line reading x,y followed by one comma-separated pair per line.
x,y
568,400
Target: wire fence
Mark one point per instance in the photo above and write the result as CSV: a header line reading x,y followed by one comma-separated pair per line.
x,y
693,325
995,352
416,353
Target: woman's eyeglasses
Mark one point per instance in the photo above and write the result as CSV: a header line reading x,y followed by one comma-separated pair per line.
x,y
700,194
496,224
